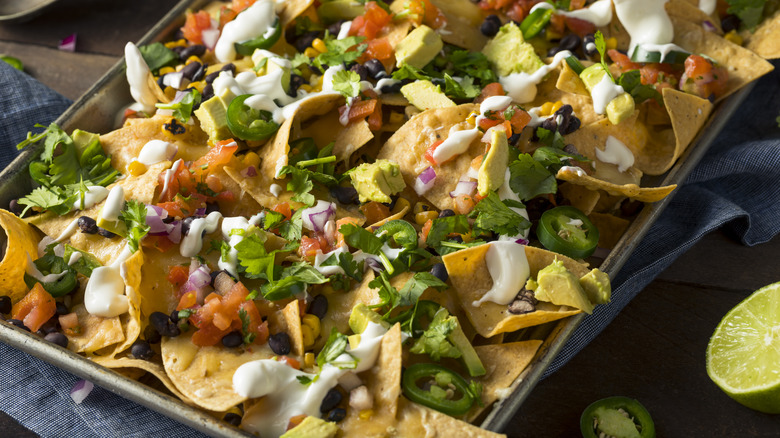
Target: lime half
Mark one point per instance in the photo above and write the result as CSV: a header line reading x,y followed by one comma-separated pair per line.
x,y
743,356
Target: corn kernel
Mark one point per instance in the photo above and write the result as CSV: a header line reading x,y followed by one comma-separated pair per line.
x,y
611,43
308,360
556,106
312,322
400,204
311,52
423,217
178,43
200,85
472,119
365,414
308,338
192,59
396,117
306,87
734,37
166,70
421,207
319,45
546,109
234,410
136,168
252,159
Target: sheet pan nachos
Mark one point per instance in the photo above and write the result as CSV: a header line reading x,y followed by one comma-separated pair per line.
x,y
323,218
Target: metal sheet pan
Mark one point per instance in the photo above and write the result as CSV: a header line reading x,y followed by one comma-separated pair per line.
x,y
96,111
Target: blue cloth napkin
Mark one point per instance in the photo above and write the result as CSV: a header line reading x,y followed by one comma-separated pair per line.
x,y
734,186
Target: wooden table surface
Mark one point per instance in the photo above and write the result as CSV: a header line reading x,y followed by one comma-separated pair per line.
x,y
653,351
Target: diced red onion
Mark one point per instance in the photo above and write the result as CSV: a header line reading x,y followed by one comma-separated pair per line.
x,y
315,218
424,181
464,188
210,37
708,26
179,96
360,399
173,79
200,211
154,218
375,264
198,281
81,390
249,172
68,44
175,234
522,241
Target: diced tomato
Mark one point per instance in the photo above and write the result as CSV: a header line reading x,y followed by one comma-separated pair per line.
x,y
261,336
295,421
359,109
240,5
580,27
194,26
703,78
374,120
622,61
309,247
290,361
371,23
489,122
374,211
284,209
463,204
429,153
70,324
37,307
490,90
655,74
519,120
424,12
178,275
576,4
160,243
426,229
380,49
187,301
226,15
557,24
208,335
226,196
217,156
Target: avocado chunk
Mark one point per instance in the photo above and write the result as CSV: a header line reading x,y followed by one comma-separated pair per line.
x,y
360,317
424,95
508,52
612,422
419,47
82,139
312,427
493,169
377,181
555,284
335,10
212,116
271,64
597,286
619,108
117,227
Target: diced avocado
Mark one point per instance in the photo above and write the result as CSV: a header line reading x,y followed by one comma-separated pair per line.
x,y
377,181
335,10
312,427
419,47
597,286
270,65
82,139
212,116
612,422
555,284
360,317
619,108
116,227
493,169
468,355
424,95
508,52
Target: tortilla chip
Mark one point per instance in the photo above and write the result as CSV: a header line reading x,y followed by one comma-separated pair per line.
x,y
504,362
351,138
688,10
580,197
765,41
131,321
340,306
611,228
554,88
292,319
419,421
383,381
152,368
470,279
292,9
96,331
464,18
408,145
21,241
569,81
205,374
633,191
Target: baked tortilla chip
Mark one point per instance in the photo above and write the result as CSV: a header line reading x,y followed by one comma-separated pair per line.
x,y
580,197
96,331
419,421
152,368
765,41
340,306
292,9
471,279
292,319
464,18
611,228
633,191
21,242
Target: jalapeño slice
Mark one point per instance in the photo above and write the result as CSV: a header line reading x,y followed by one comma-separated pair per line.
x,y
264,41
535,22
647,54
567,231
618,417
459,405
248,123
60,278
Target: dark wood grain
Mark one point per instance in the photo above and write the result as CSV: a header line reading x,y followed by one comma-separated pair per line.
x,y
653,351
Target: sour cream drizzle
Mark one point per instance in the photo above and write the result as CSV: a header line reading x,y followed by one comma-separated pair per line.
x,y
617,153
94,195
458,141
645,21
137,77
599,13
114,204
192,243
522,86
105,292
156,151
707,6
603,93
286,396
254,21
508,266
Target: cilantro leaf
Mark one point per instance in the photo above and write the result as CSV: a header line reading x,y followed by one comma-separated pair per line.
x,y
182,109
156,55
304,380
347,263
134,216
390,297
408,72
467,63
434,342
360,238
339,51
335,346
749,12
465,89
632,84
292,280
46,199
246,334
529,178
550,138
86,262
347,83
494,215
300,184
253,257
272,219
444,226
601,46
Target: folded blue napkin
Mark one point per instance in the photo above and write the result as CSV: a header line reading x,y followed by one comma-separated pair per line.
x,y
734,186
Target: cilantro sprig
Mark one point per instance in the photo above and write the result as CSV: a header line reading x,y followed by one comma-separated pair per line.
x,y
601,46
134,217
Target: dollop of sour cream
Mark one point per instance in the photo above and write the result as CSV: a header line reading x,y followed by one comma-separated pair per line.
x,y
522,86
286,396
253,22
599,13
156,151
192,243
115,202
645,21
509,269
603,93
137,77
617,153
105,292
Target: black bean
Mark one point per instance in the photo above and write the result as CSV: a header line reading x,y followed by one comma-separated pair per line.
x,y
193,50
190,69
570,149
279,343
57,338
375,68
315,70
18,323
361,70
211,207
174,316
210,77
5,304
440,271
446,213
589,45
337,415
490,26
550,124
331,400
151,335
305,40
570,42
87,225
514,138
729,23
318,306
208,93
335,28
179,50
62,309
295,83
51,326
232,418
105,233
161,82
199,74
568,121
229,67
232,339
15,207
391,88
185,224
345,195
163,324
456,239
141,350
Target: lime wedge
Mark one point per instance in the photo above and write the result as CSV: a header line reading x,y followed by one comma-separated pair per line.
x,y
743,356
